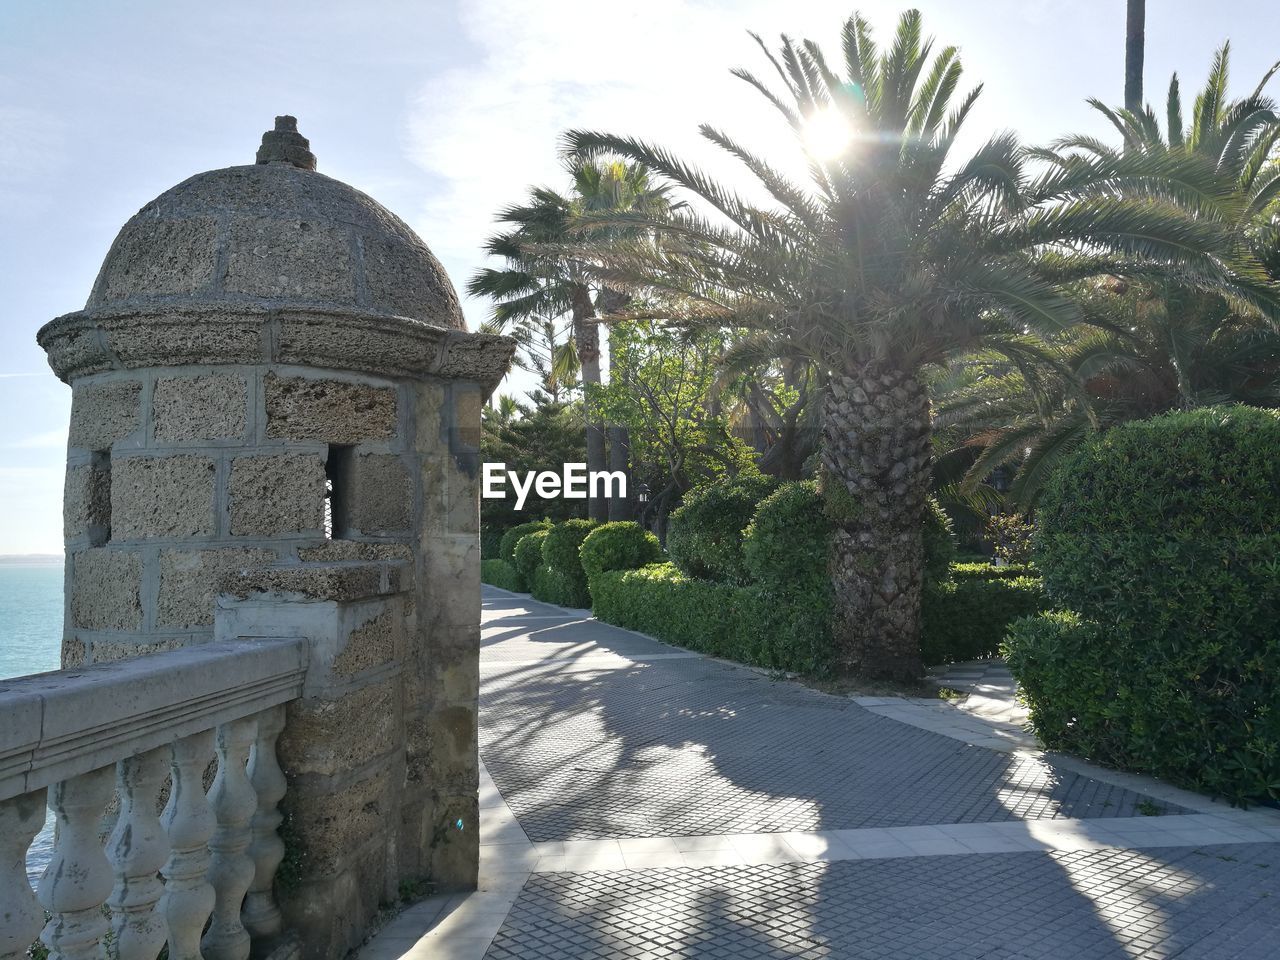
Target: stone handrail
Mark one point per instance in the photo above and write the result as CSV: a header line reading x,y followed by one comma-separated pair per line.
x,y
73,738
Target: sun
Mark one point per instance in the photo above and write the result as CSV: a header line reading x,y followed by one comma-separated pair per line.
x,y
827,133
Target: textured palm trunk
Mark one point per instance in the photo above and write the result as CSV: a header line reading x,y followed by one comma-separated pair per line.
x,y
1135,42
586,335
621,508
876,462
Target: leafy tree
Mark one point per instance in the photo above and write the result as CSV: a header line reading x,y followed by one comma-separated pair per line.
x,y
892,257
678,438
546,275
537,433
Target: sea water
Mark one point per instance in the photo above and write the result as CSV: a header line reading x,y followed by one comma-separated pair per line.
x,y
30,642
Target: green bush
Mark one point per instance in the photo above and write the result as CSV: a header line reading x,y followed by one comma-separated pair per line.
x,y
747,624
529,556
989,571
1060,661
499,573
939,541
507,545
1161,538
785,546
491,542
1012,536
556,586
967,618
621,545
704,536
560,553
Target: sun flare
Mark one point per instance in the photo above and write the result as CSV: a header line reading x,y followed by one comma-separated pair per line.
x,y
827,133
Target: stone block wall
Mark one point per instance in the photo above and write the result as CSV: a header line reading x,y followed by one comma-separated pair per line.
x,y
176,476
196,503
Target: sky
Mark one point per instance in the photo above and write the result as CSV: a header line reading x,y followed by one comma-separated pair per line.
x,y
446,112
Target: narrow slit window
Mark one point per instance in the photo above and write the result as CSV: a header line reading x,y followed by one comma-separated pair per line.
x,y
98,499
337,472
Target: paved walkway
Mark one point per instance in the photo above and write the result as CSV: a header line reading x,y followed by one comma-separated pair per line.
x,y
640,801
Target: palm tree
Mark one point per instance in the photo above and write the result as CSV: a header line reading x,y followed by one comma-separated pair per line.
x,y
1153,345
546,273
890,259
1135,42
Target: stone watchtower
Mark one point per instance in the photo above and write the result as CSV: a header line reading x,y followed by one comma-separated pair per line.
x,y
274,432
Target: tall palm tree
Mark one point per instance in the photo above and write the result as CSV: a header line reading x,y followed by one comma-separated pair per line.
x,y
893,257
1135,43
1155,345
546,271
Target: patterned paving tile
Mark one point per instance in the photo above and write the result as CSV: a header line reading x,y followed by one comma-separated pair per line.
x,y
693,746
1209,903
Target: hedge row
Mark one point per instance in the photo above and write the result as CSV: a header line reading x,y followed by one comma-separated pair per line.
x,y
989,571
967,617
499,573
749,624
778,617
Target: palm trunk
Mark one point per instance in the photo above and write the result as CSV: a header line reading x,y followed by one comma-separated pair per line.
x,y
876,463
621,508
586,334
1135,41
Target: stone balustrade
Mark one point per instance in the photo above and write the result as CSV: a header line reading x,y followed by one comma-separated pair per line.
x,y
137,730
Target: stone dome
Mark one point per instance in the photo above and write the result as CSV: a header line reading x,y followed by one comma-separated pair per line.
x,y
274,234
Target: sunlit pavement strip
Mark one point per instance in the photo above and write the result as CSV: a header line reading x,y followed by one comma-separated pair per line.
x,y
645,913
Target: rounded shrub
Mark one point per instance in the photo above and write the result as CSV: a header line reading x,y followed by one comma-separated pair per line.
x,y
786,543
507,545
1169,523
1160,540
529,556
704,536
564,540
621,545
560,553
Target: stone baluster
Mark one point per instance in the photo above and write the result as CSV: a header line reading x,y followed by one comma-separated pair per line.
x,y
261,916
231,870
77,881
188,821
20,820
137,850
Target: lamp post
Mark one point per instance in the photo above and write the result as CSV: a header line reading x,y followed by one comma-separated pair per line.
x,y
642,501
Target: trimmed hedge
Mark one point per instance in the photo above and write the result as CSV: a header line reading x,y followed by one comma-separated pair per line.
x,y
507,545
499,573
555,586
560,554
747,624
1161,539
989,571
529,556
621,545
704,536
967,618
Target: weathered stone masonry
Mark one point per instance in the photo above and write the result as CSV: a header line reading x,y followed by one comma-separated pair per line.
x,y
274,424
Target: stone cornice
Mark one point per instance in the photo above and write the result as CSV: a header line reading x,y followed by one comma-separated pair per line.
x,y
94,341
